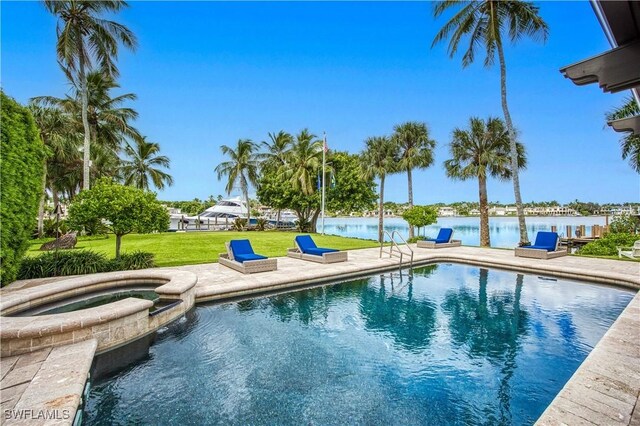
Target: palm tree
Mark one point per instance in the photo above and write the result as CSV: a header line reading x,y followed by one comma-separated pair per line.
x,y
109,119
416,151
277,151
241,169
379,158
481,151
57,133
630,143
85,38
484,21
109,123
305,160
143,165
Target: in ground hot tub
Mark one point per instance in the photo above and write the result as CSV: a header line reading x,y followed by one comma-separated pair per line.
x,y
92,300
113,308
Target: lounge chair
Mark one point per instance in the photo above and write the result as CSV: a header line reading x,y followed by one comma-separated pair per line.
x,y
545,247
306,249
630,252
241,257
444,239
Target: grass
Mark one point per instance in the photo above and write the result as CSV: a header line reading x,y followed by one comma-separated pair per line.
x,y
190,248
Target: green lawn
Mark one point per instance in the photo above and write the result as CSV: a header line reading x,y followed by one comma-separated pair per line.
x,y
175,249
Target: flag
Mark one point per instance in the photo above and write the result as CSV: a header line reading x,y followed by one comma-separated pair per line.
x,y
325,146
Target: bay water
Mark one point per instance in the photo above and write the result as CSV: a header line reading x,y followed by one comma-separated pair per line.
x,y
503,231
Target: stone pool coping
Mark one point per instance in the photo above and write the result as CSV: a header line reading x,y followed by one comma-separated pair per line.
x,y
45,387
215,282
112,324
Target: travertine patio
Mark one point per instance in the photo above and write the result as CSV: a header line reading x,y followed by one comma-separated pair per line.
x,y
604,390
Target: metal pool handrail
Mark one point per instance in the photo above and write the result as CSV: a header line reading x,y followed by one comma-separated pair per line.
x,y
394,244
404,242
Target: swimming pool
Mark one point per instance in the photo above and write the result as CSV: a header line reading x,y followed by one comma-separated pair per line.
x,y
444,344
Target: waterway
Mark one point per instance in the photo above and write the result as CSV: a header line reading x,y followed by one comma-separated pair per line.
x,y
503,231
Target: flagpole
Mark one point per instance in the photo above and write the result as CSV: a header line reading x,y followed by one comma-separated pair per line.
x,y
324,152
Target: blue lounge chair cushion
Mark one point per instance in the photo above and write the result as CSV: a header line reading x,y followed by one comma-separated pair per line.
x,y
242,251
308,246
244,257
319,251
444,236
545,241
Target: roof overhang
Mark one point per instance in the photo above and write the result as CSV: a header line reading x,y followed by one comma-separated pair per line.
x,y
617,69
631,124
614,71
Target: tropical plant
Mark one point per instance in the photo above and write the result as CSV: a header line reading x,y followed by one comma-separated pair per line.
x,y
133,261
143,165
109,123
56,130
81,262
347,192
420,216
379,159
277,149
275,156
484,22
241,169
608,244
86,39
123,209
416,151
305,161
629,143
239,224
625,223
261,224
478,152
72,262
23,156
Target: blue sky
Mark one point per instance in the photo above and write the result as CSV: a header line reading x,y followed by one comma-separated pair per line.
x,y
207,74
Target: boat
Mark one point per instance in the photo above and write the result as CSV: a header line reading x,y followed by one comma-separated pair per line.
x,y
220,215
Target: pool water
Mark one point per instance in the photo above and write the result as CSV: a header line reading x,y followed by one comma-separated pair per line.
x,y
91,301
444,344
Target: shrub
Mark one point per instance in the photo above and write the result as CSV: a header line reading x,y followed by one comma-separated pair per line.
x,y
239,224
415,239
261,224
122,209
303,225
420,216
80,262
624,224
607,245
134,260
50,228
63,263
21,163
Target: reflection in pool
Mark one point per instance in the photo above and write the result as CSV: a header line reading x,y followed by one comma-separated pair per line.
x,y
444,344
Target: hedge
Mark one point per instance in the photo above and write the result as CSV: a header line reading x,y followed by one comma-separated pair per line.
x,y
22,154
81,262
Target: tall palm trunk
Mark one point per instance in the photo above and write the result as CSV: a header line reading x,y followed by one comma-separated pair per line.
x,y
524,239
246,197
41,206
410,184
86,158
381,211
484,212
